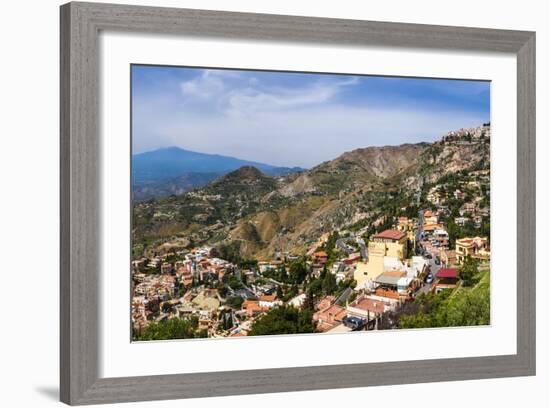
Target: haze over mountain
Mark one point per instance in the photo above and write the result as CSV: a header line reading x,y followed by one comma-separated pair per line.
x,y
173,170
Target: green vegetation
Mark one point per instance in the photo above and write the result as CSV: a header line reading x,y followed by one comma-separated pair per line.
x,y
235,302
171,329
231,252
325,285
283,320
330,248
468,271
460,307
328,284
298,271
468,230
233,282
137,250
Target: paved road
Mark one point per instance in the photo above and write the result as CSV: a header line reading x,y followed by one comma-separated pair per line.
x,y
363,249
434,268
341,244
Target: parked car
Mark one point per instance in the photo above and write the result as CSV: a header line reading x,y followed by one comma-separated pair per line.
x,y
429,278
354,323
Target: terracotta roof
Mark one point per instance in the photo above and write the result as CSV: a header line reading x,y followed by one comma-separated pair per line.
x,y
431,227
268,298
325,302
398,274
337,312
447,273
370,305
390,234
250,303
320,254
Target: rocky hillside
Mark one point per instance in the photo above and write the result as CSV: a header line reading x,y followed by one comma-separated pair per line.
x,y
263,214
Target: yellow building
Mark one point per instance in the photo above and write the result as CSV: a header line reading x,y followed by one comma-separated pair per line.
x,y
389,243
477,248
386,243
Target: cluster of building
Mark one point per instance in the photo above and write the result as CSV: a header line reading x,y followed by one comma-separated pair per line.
x,y
467,134
388,270
473,192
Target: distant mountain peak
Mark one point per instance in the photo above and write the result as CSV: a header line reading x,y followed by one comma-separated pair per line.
x,y
245,175
246,172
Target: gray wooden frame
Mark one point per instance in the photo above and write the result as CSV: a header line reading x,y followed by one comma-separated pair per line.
x,y
80,234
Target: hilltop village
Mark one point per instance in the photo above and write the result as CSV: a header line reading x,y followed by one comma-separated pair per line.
x,y
425,264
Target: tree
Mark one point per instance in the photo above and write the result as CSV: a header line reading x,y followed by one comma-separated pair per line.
x,y
166,307
466,307
222,289
329,284
235,302
283,320
227,320
298,271
231,252
170,329
315,288
280,293
309,301
468,271
233,282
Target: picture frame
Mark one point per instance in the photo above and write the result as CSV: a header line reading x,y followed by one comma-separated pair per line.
x,y
80,234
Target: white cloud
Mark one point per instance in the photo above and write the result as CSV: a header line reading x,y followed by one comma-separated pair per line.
x,y
237,95
255,101
205,86
307,136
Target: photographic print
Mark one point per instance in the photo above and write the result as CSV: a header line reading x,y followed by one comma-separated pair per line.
x,y
267,203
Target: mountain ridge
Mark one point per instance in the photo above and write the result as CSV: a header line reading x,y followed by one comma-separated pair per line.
x,y
265,214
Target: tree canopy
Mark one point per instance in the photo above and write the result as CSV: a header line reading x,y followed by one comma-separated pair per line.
x,y
462,307
171,329
468,271
283,320
298,270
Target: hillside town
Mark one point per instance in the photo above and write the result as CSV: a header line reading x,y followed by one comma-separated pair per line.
x,y
425,264
369,278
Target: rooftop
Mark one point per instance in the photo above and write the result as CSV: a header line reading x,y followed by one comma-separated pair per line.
x,y
268,298
447,273
390,278
370,305
390,234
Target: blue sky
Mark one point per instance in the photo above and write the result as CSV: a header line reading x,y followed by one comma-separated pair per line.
x,y
295,119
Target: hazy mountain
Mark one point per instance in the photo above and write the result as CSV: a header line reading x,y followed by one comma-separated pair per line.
x,y
174,170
